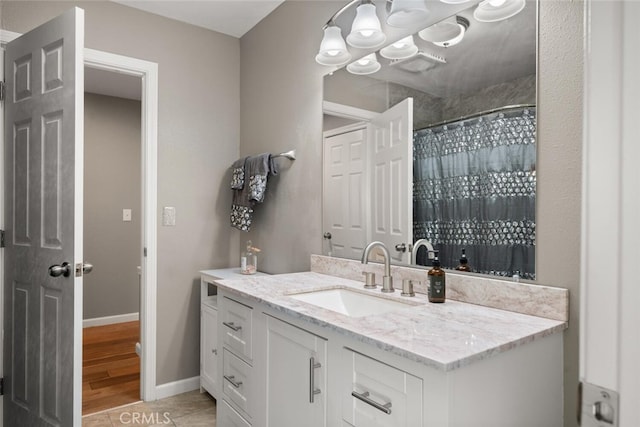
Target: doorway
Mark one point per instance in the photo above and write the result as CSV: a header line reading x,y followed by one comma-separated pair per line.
x,y
112,240
148,73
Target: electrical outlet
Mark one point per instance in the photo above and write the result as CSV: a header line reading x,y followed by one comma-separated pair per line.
x,y
126,215
169,216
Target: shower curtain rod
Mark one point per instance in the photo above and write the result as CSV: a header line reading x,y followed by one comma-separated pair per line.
x,y
481,113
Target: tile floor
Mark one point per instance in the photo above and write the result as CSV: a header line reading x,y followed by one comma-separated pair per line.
x,y
192,409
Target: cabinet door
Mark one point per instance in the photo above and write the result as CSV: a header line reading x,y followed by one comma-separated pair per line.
x,y
296,376
209,349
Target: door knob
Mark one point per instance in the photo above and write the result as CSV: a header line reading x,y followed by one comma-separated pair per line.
x,y
401,247
60,270
87,268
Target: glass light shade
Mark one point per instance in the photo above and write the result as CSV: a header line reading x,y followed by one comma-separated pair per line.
x,y
441,32
497,10
454,1
367,65
403,48
406,13
455,40
333,50
366,31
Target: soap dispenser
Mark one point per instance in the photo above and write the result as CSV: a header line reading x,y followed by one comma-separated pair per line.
x,y
464,262
249,259
437,287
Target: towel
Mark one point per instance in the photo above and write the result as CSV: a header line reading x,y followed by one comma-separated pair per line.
x,y
255,173
237,174
257,169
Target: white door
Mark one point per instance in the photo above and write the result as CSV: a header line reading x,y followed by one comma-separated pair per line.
x,y
43,181
609,292
392,178
345,189
296,376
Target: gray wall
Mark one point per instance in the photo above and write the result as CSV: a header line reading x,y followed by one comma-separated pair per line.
x,y
278,70
111,182
198,138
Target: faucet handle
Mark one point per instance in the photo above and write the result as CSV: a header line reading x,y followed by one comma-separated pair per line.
x,y
369,280
407,288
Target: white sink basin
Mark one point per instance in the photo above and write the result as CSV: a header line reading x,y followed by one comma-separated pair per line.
x,y
350,303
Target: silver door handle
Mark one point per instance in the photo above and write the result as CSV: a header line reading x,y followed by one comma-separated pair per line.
x,y
87,268
384,407
232,326
327,235
231,379
401,247
312,381
63,269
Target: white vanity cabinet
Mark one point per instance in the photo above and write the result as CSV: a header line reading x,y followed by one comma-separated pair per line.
x,y
296,381
288,370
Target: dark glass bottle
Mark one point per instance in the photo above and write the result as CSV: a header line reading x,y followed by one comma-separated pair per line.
x,y
464,262
437,285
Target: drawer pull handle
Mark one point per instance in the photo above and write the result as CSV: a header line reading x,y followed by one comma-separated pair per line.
x,y
231,379
386,407
232,326
312,381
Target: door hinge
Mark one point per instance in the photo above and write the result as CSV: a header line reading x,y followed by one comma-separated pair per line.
x,y
145,252
1,386
2,244
2,90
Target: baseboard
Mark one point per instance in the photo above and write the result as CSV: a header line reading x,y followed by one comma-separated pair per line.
x,y
110,320
177,387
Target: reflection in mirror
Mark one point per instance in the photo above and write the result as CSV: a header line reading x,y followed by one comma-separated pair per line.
x,y
473,167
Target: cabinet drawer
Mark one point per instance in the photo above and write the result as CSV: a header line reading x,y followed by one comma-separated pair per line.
x,y
236,328
227,416
237,383
377,394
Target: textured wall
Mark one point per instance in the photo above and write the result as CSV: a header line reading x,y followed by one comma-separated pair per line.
x,y
198,138
560,104
112,137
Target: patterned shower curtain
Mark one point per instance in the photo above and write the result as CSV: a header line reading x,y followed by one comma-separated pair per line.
x,y
474,187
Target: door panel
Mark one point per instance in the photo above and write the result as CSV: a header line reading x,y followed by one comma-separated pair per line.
x,y
345,192
43,179
392,159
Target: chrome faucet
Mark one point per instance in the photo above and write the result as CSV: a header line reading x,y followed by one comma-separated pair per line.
x,y
414,251
387,280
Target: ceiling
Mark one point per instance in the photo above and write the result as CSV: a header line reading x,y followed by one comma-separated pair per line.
x,y
231,17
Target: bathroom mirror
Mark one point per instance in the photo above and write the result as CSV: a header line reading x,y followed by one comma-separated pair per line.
x,y
473,143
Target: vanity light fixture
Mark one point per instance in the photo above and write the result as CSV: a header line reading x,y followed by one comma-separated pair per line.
x,y
405,13
403,48
497,10
333,50
366,31
446,33
367,65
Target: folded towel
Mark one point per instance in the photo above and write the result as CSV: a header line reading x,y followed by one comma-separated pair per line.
x,y
241,210
257,169
237,174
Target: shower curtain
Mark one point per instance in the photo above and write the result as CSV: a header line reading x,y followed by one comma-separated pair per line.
x,y
474,187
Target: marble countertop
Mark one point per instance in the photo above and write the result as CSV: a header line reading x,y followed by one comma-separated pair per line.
x,y
444,336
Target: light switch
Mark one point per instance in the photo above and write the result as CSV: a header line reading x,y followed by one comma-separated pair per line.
x,y
169,216
126,215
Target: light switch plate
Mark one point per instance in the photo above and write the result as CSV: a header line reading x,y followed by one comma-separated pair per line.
x,y
126,215
169,216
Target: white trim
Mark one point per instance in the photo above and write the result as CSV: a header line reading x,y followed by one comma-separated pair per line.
x,y
347,111
8,36
177,387
148,72
110,320
343,129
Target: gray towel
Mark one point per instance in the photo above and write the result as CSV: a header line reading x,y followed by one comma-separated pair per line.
x,y
237,174
257,169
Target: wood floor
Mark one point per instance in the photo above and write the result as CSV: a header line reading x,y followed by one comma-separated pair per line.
x,y
110,366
